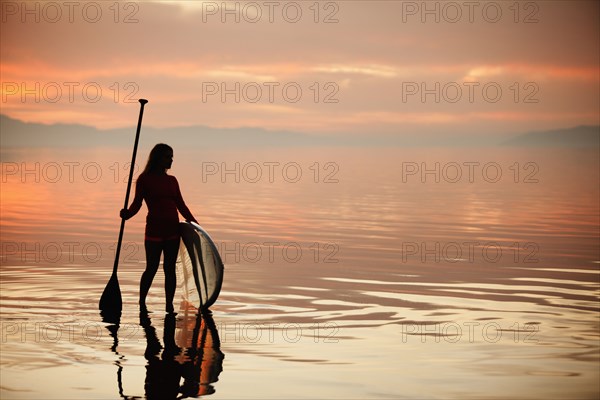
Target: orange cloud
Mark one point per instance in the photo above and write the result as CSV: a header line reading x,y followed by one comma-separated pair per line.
x,y
169,53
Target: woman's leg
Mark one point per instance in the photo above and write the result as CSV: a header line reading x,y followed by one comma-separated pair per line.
x,y
153,251
171,248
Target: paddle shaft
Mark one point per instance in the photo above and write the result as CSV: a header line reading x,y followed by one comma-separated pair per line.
x,y
131,168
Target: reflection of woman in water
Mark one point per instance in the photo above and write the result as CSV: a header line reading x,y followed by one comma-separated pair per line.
x,y
199,362
163,198
162,373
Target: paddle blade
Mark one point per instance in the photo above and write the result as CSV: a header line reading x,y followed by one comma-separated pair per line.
x,y
111,297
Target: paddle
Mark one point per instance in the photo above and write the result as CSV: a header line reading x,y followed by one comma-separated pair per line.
x,y
111,302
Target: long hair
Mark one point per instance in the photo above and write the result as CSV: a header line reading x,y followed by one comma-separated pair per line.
x,y
156,154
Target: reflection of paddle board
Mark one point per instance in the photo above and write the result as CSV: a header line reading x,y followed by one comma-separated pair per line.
x,y
197,334
199,266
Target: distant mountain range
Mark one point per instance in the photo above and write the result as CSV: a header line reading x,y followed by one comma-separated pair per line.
x,y
580,136
16,133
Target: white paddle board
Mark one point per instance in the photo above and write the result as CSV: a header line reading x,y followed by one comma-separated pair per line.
x,y
199,266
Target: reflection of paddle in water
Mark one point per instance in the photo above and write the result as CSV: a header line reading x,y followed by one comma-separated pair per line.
x,y
199,363
114,319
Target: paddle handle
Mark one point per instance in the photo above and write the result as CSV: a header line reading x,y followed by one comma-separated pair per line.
x,y
131,168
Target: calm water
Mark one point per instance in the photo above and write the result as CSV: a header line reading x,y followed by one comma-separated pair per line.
x,y
349,274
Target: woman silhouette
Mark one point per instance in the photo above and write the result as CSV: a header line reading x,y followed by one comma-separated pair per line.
x,y
163,199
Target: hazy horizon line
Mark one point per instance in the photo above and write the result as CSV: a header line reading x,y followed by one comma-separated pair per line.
x,y
20,133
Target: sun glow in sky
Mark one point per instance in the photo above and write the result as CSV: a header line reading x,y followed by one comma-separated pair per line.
x,y
336,67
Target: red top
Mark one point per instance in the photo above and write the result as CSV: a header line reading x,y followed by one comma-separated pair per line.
x,y
163,198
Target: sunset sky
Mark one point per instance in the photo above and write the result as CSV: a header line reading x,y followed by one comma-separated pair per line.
x,y
339,67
